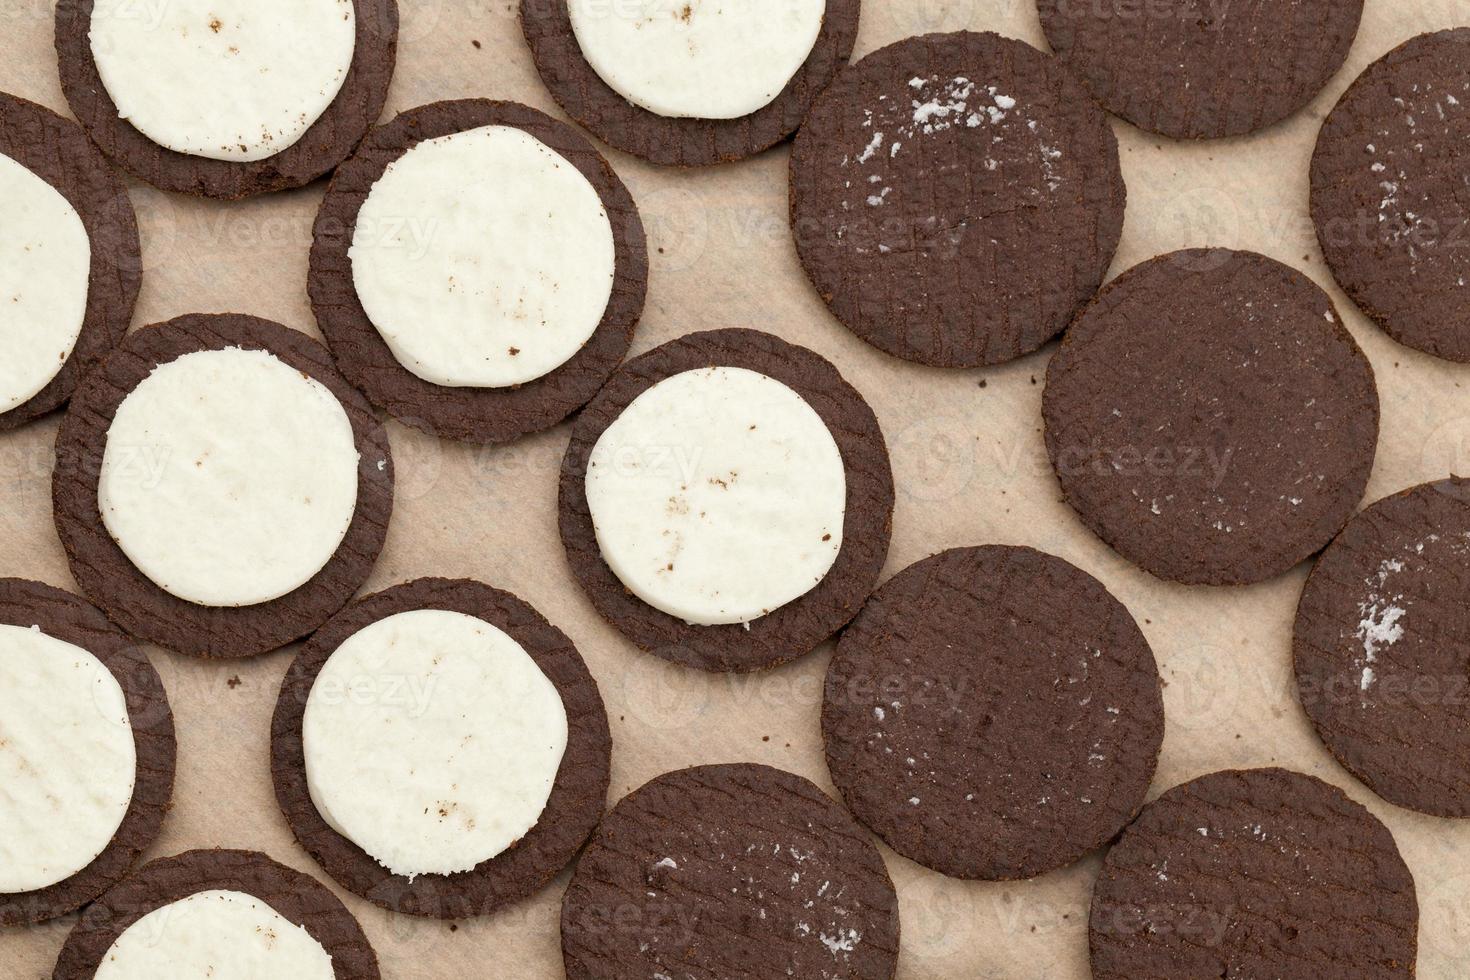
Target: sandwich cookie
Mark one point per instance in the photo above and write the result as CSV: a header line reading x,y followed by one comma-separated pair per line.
x,y
478,269
219,488
1389,195
1254,873
69,259
726,501
956,198
993,713
217,913
440,749
227,98
86,753
729,871
1202,70
1210,419
1380,644
689,82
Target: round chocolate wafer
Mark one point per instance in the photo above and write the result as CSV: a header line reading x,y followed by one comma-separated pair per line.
x,y
798,626
993,713
1195,69
956,198
327,143
1210,418
1380,644
1254,873
1389,196
56,150
677,140
729,871
484,415
297,897
133,600
577,796
63,616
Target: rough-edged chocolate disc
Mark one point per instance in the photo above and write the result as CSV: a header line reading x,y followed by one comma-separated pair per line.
x,y
129,597
298,897
1254,873
1389,196
798,626
327,143
62,615
484,415
577,797
956,198
993,713
729,871
1381,641
1202,70
1210,418
670,140
56,150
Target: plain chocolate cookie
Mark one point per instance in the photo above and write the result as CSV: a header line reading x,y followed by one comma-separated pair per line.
x,y
1389,195
1202,69
295,896
956,198
1381,643
129,597
327,143
483,415
1254,873
61,615
993,713
57,151
1210,419
797,627
577,796
741,872
670,140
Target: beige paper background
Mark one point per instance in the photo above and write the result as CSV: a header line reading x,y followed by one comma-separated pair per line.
x,y
969,464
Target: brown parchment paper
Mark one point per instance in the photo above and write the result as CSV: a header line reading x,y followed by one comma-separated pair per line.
x,y
968,459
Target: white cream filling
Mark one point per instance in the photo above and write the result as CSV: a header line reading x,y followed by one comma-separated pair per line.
x,y
45,265
483,258
218,934
229,477
67,759
432,741
234,80
718,496
706,59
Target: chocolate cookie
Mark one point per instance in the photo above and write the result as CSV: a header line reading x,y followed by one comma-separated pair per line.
x,y
297,897
993,713
1255,873
956,198
1380,644
327,143
735,871
63,616
798,626
484,415
1389,198
1210,418
1194,69
129,597
577,797
670,140
58,152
